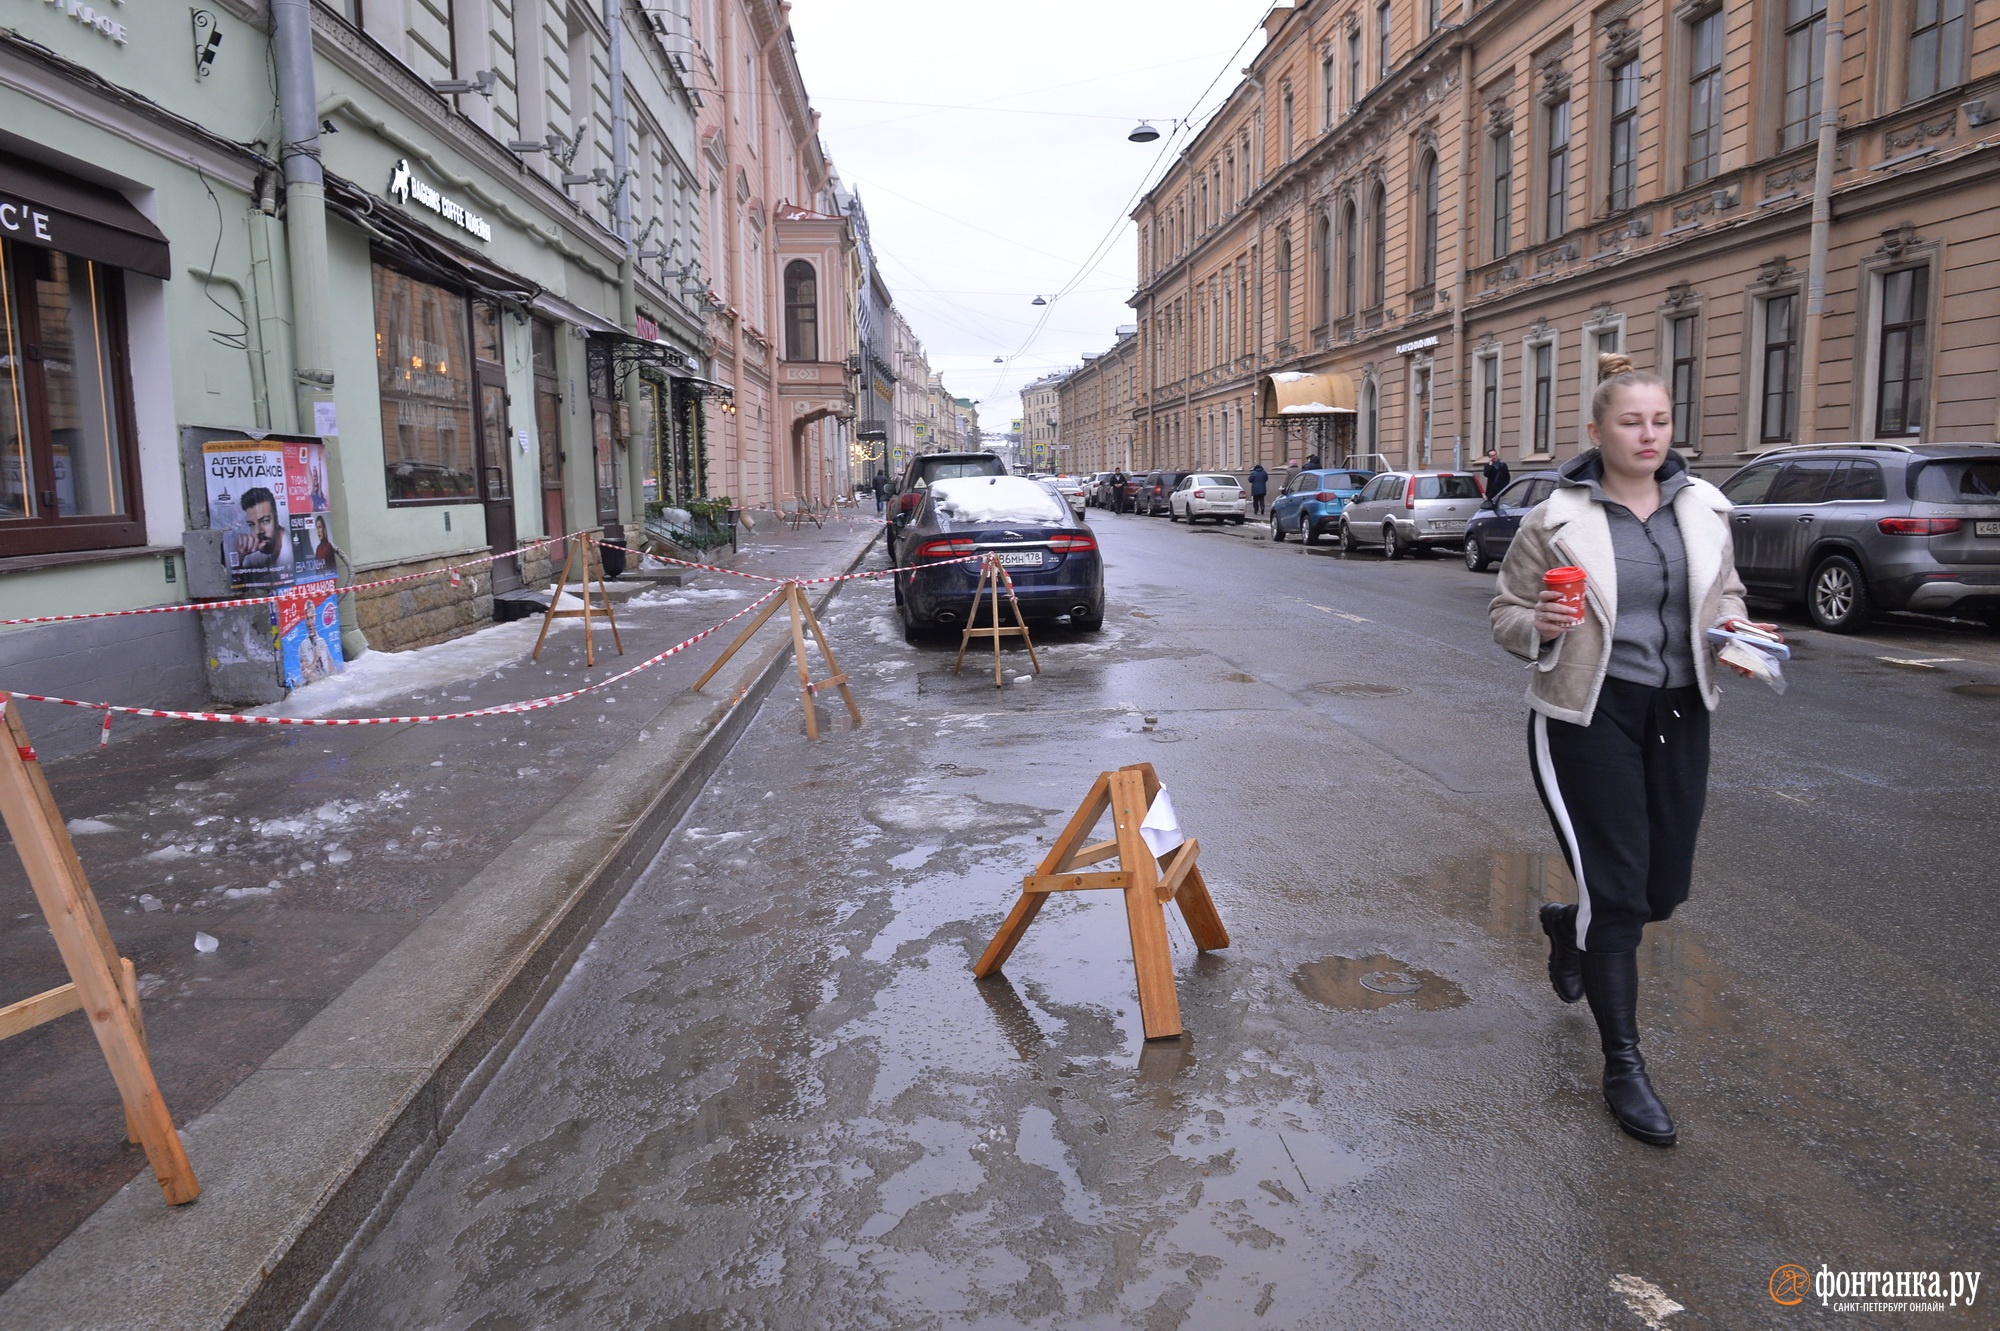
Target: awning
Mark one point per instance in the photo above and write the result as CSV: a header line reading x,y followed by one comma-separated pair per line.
x,y
1295,394
43,207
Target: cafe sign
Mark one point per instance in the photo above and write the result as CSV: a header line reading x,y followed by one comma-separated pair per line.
x,y
406,186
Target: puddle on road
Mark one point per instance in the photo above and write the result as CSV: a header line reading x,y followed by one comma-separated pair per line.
x,y
1977,690
1366,984
1344,688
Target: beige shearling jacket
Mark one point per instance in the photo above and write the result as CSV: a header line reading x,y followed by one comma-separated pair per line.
x,y
1570,528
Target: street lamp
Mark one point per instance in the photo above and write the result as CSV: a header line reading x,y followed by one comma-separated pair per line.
x,y
1038,301
1144,133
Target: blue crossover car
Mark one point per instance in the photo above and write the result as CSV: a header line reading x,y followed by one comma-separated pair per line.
x,y
1047,550
1310,505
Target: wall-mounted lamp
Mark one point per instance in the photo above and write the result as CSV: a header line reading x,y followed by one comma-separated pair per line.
x,y
481,82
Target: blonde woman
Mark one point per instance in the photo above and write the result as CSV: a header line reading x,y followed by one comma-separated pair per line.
x,y
1620,698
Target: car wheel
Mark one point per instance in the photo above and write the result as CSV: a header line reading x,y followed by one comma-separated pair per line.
x,y
1392,544
1837,597
1347,542
1175,517
1307,536
1475,555
1277,532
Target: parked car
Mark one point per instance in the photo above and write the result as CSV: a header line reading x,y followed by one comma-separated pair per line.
x,y
926,469
1072,491
1046,549
1121,497
1491,530
1154,490
1311,503
1855,529
1406,511
1213,495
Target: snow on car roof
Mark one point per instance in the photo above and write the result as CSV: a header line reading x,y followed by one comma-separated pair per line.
x,y
997,499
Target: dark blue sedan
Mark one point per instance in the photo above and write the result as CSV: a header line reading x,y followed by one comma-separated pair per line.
x,y
1048,551
1491,530
1310,505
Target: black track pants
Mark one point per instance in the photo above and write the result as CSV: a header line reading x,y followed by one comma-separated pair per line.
x,y
1625,796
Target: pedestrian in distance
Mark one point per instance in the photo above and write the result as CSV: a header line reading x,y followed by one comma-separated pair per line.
x,y
1260,480
1495,473
1312,462
1619,700
881,488
1118,483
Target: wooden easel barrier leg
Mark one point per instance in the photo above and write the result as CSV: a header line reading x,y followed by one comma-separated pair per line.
x,y
990,577
1147,882
583,563
793,597
102,983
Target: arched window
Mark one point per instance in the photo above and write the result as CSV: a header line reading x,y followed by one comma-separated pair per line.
x,y
1350,263
1284,288
801,311
1427,219
1323,253
1378,246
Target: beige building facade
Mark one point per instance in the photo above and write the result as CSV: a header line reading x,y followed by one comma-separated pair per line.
x,y
1096,402
1451,209
1041,424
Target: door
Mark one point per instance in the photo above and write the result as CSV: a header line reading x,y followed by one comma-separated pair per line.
x,y
548,436
1789,524
603,451
496,439
1749,520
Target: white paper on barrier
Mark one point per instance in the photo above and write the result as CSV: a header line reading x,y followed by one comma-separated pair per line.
x,y
1162,827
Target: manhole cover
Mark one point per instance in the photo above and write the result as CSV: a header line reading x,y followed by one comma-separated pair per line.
x,y
1355,688
1391,982
1367,984
1978,690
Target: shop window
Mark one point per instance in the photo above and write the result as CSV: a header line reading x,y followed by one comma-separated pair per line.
x,y
67,465
430,439
801,311
603,418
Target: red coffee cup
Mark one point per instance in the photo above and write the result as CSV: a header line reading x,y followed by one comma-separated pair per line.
x,y
1568,582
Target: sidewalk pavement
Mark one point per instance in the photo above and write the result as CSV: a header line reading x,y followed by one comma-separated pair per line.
x,y
389,902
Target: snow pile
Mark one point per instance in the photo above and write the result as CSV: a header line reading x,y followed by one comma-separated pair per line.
x,y
979,499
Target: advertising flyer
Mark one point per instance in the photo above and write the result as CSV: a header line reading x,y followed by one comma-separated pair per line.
x,y
269,498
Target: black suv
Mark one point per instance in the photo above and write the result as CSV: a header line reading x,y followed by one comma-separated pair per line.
x,y
926,468
1852,529
1154,487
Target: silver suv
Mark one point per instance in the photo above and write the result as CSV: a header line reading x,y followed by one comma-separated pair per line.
x,y
1403,511
1853,529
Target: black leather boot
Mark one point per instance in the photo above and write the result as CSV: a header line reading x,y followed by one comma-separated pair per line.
x,y
1611,982
1565,961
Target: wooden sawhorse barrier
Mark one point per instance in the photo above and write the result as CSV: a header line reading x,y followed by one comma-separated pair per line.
x,y
1147,881
584,560
102,983
991,574
793,597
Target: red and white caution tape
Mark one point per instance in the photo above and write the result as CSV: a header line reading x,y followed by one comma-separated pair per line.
x,y
803,582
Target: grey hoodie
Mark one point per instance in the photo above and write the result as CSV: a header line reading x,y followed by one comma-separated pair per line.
x,y
1652,577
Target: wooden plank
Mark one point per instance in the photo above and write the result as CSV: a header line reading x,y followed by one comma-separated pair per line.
x,y
1011,930
1095,853
838,677
32,1012
757,621
1177,862
611,618
555,599
1075,882
1204,922
1095,802
793,595
965,638
49,858
1145,918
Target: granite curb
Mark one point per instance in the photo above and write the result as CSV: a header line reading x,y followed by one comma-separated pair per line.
x,y
301,1161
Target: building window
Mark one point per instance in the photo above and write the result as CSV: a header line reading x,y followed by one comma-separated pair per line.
x,y
1323,253
801,311
1805,58
1937,48
1555,216
1326,92
430,441
1381,40
1378,247
1353,67
1350,246
1682,378
1501,222
1542,401
1371,417
1284,288
1624,135
1433,15
1427,220
1489,403
1778,414
1285,124
1704,97
1901,353
66,440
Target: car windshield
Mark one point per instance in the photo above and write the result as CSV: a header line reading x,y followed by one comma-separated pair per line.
x,y
1960,481
1220,481
967,501
945,469
1447,487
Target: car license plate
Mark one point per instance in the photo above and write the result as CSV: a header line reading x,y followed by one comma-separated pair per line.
x,y
1986,529
1447,526
1020,559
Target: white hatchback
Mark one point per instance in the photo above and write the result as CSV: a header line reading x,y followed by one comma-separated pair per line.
x,y
1202,495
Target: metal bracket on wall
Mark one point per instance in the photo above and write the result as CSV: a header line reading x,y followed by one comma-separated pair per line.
x,y
207,39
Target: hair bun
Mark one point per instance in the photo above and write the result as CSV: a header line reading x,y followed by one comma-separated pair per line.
x,y
1612,363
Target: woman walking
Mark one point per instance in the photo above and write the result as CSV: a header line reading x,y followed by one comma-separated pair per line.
x,y
1619,699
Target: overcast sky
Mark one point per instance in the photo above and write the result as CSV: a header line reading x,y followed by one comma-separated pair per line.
x,y
987,140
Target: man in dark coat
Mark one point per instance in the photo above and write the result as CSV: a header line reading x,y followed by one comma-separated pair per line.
x,y
1260,480
1495,473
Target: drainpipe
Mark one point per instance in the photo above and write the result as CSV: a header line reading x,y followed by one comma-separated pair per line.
x,y
621,211
305,248
1468,237
1822,223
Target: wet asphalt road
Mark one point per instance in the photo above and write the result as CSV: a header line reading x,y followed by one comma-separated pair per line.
x,y
771,1095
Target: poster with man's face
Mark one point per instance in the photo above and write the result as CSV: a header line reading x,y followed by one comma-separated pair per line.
x,y
269,499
